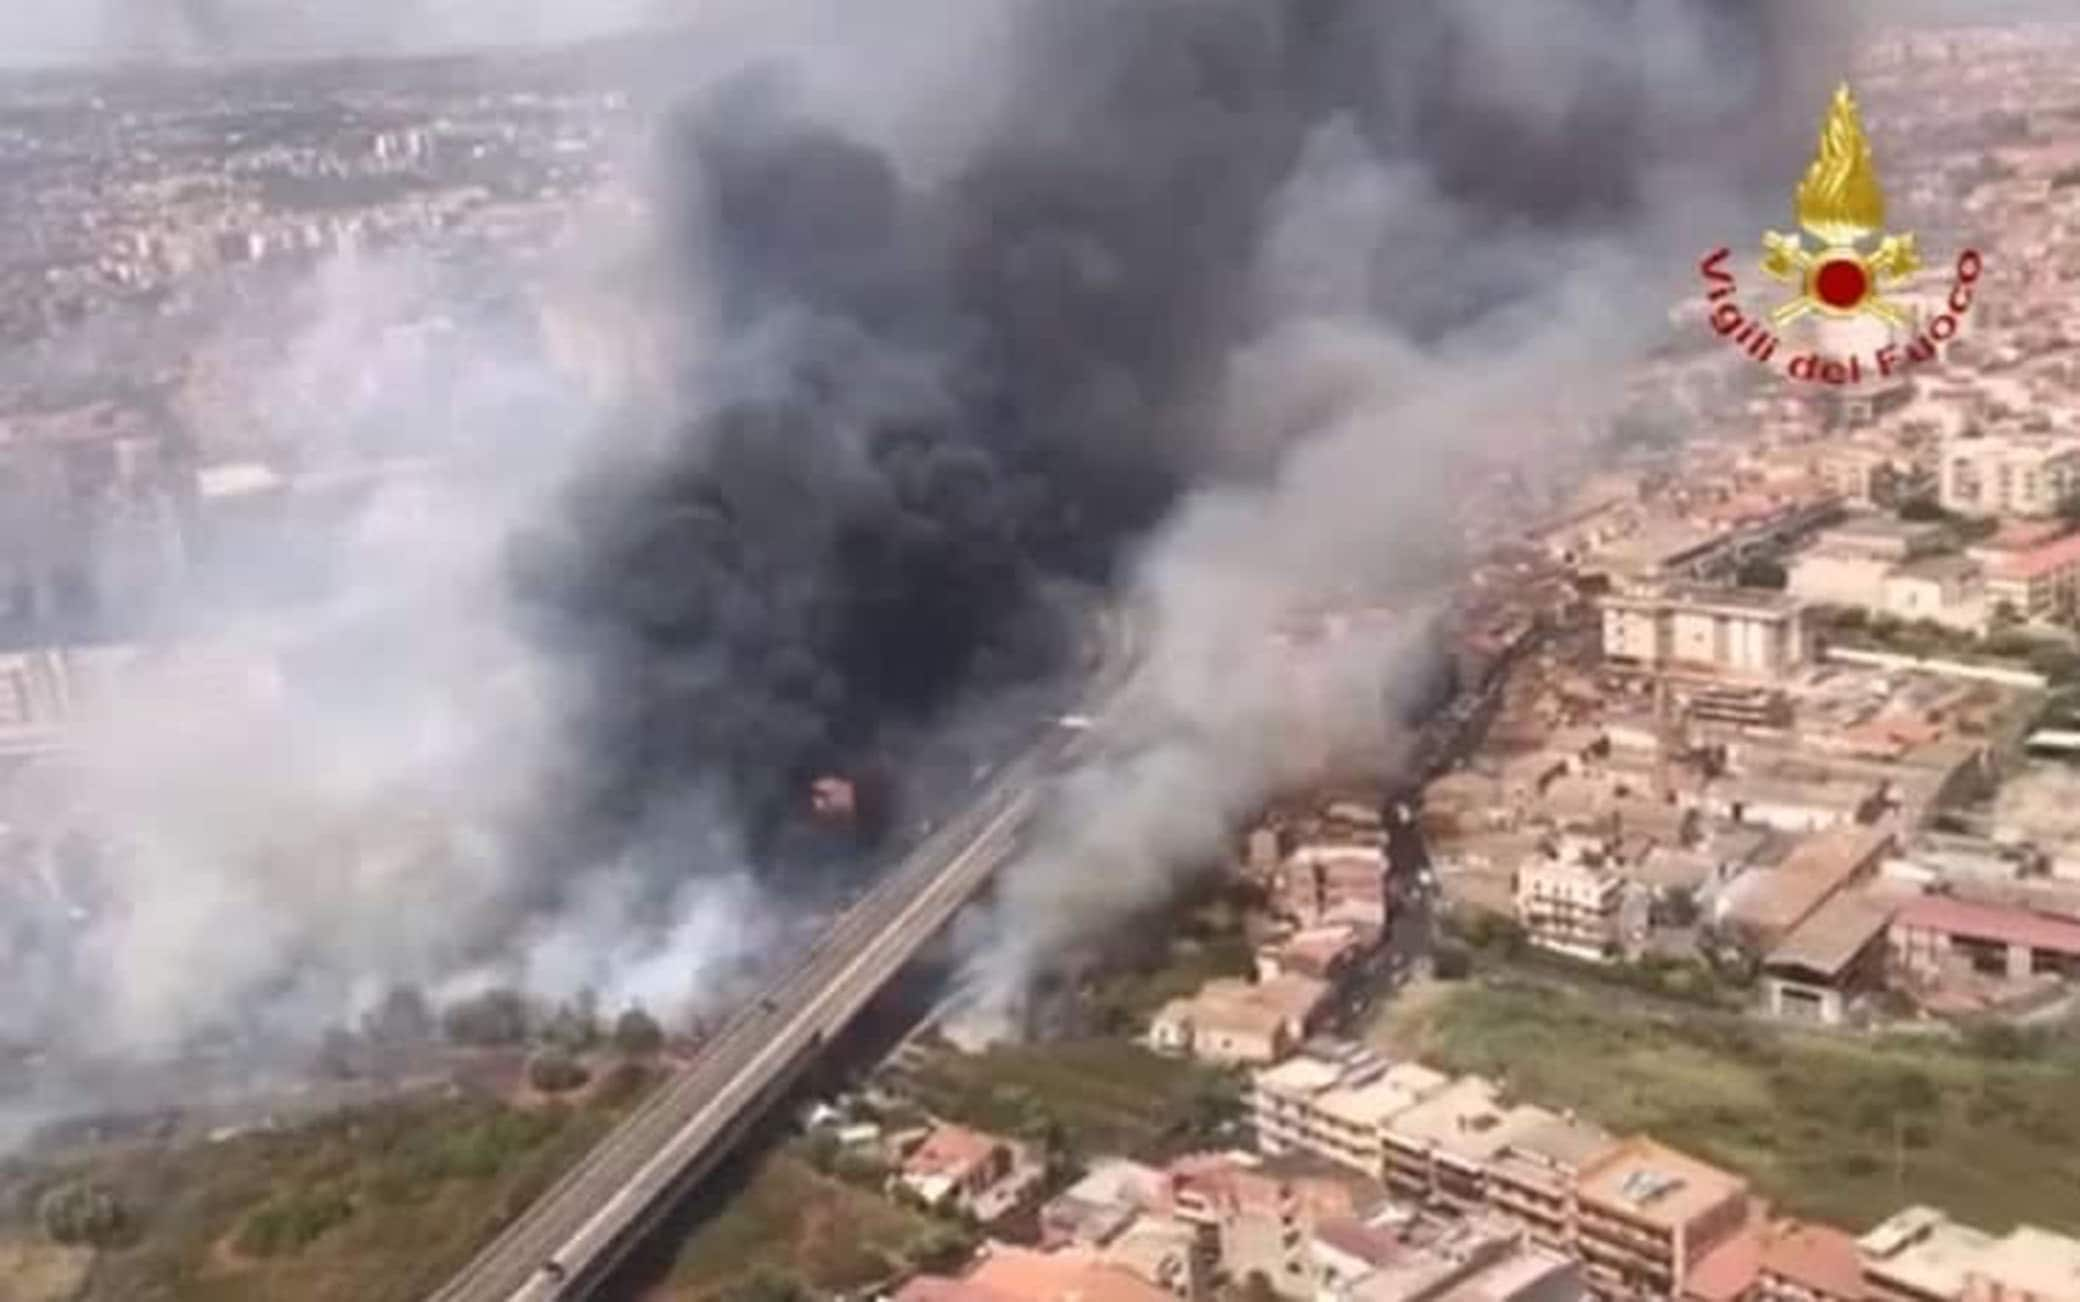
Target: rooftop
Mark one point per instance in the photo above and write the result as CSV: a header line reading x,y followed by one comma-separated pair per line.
x,y
1399,1088
1925,1250
1068,1276
1990,922
2036,1262
1563,1141
950,1150
1653,1183
1819,1258
1834,935
1466,1119
1815,869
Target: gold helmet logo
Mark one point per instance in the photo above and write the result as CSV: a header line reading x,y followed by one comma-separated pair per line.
x,y
1840,206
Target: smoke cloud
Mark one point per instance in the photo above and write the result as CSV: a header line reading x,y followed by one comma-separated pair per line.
x,y
1219,307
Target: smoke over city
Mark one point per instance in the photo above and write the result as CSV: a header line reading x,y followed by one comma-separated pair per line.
x,y
1211,307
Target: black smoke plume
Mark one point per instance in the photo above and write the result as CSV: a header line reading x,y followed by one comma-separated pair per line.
x,y
924,403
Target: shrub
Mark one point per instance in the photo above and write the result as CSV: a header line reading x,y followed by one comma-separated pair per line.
x,y
637,1034
288,1225
83,1213
493,1018
553,1071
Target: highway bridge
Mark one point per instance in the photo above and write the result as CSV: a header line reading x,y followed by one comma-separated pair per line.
x,y
570,1241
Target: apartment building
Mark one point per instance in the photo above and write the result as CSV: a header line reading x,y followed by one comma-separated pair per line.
x,y
1572,905
1806,1262
2013,474
1438,1150
1331,883
1648,1214
1735,632
1337,1110
2039,582
1534,1176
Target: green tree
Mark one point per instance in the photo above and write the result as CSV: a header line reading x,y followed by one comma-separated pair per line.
x,y
555,1071
637,1034
1922,509
1763,572
82,1212
574,1026
496,1017
402,1018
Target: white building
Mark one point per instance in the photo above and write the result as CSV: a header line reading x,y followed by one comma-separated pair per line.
x,y
2013,474
1730,631
1573,905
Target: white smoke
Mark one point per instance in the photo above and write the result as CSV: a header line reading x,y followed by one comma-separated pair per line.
x,y
1381,441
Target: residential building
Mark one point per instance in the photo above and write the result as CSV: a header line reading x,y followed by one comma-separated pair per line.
x,y
1572,904
1256,1218
1534,1176
1826,960
2019,474
1162,1251
1946,590
1329,883
1920,1255
1649,1214
1337,1111
968,1170
1099,1207
1933,935
1333,954
2029,1265
1802,1261
1234,1022
1010,1274
1439,1149
2036,582
1738,632
1424,1261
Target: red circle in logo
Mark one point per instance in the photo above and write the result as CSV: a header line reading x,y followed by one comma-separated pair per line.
x,y
1840,283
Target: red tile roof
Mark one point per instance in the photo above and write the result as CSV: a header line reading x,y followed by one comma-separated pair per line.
x,y
950,1151
1728,1271
1819,1258
1990,922
2036,562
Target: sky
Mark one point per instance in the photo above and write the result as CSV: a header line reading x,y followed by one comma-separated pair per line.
x,y
36,32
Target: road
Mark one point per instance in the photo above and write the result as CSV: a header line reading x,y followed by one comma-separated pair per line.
x,y
591,1218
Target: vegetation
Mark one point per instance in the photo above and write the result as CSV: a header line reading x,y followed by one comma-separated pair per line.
x,y
637,1034
83,1213
373,1205
1496,943
1085,1097
554,1071
1843,1129
294,1222
792,1232
496,1017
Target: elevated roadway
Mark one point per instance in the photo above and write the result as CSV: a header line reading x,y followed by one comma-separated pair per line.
x,y
571,1240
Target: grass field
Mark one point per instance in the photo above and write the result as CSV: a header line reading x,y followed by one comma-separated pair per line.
x,y
791,1222
375,1205
1108,1096
1840,1129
